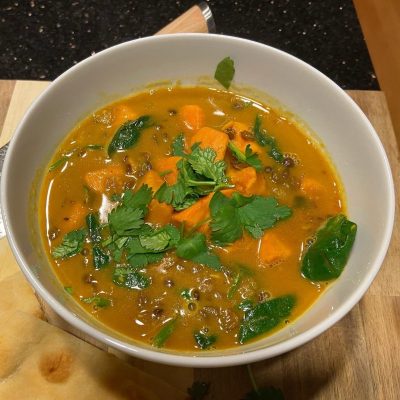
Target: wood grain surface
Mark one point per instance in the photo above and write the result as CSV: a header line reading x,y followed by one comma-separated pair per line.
x,y
358,358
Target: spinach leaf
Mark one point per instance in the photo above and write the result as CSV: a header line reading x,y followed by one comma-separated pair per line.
x,y
100,258
93,225
263,317
178,146
71,244
195,248
225,72
204,341
97,301
130,278
263,139
165,332
326,258
248,157
243,272
128,134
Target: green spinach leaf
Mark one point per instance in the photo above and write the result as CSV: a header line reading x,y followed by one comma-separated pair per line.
x,y
204,341
128,134
326,258
71,244
165,332
100,258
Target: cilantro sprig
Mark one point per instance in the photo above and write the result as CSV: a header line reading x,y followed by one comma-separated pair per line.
x,y
255,214
72,244
248,157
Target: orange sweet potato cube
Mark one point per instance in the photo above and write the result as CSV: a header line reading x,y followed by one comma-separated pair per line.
x,y
272,249
111,176
209,137
192,116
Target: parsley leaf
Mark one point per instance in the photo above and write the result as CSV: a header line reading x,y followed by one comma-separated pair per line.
x,y
254,214
263,139
225,72
97,301
262,317
128,134
165,332
130,278
195,248
248,157
204,341
71,244
178,146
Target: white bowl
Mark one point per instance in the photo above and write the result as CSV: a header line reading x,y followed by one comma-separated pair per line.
x,y
347,134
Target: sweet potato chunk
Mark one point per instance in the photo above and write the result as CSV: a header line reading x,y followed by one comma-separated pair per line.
x,y
192,116
73,217
245,180
152,179
122,113
272,249
209,137
110,177
167,164
196,213
159,213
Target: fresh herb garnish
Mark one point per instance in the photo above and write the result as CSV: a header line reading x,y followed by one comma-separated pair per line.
x,y
264,139
100,258
225,72
195,248
165,332
230,217
178,146
263,317
59,163
248,157
128,134
69,289
93,225
72,243
199,175
97,301
186,294
243,271
326,258
204,341
130,278
198,390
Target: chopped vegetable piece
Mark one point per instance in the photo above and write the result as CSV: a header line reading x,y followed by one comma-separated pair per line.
x,y
168,164
192,116
71,244
165,332
153,180
273,249
112,175
204,341
100,258
245,180
326,258
128,134
178,146
93,225
211,138
225,72
262,317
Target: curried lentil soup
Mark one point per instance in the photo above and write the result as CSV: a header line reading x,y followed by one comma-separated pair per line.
x,y
193,218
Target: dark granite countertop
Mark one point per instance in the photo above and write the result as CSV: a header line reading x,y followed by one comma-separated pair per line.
x,y
39,39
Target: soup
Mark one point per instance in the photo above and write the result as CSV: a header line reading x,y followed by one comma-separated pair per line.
x,y
193,218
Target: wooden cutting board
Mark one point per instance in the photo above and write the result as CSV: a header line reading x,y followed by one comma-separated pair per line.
x,y
358,358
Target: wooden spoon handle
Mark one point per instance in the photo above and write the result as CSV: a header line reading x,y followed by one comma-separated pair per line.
x,y
197,19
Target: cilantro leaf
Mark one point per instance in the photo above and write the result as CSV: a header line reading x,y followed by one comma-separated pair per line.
x,y
263,317
140,199
178,146
157,242
225,72
128,134
130,278
125,220
100,258
165,332
263,139
97,301
229,217
204,341
195,248
72,244
142,260
248,157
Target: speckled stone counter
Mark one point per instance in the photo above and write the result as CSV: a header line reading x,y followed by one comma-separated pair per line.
x,y
40,39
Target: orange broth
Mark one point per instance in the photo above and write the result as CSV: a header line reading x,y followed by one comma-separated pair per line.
x,y
86,179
